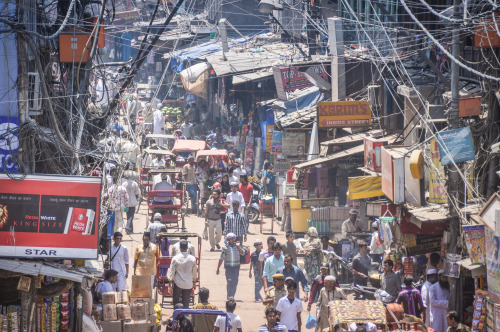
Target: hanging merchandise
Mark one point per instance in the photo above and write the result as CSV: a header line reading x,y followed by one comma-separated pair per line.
x,y
395,255
408,265
479,315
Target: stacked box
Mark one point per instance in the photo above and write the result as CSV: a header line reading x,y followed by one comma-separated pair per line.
x,y
320,213
322,226
116,311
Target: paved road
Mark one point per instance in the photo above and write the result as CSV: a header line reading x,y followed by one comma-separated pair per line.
x,y
251,313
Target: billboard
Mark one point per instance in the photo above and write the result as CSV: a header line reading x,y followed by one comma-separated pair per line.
x,y
49,216
344,114
293,143
455,146
289,78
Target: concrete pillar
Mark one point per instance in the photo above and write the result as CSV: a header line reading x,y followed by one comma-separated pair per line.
x,y
336,44
223,37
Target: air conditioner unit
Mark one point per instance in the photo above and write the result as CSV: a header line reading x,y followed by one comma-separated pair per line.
x,y
34,93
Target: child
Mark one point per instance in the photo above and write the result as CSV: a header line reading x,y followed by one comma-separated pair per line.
x,y
254,264
234,320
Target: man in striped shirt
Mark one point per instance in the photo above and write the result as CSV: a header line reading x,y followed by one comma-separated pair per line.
x,y
236,223
230,255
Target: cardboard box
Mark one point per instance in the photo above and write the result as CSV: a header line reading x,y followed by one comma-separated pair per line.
x,y
136,326
150,301
112,326
142,286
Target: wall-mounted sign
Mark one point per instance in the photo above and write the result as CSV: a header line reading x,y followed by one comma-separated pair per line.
x,y
269,137
344,114
365,187
373,154
437,177
393,174
293,143
289,79
277,142
455,146
420,244
49,216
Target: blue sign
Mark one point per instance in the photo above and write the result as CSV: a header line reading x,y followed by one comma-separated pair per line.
x,y
277,142
455,146
9,144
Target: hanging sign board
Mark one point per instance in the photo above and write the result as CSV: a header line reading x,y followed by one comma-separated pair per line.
x,y
455,146
277,142
419,244
393,174
49,216
344,114
293,143
365,187
474,239
289,78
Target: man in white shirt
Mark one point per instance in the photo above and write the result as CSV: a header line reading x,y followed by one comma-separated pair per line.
x,y
426,300
134,196
119,261
376,247
234,320
350,225
129,150
175,249
182,275
158,162
187,129
235,195
237,170
158,123
290,308
156,227
165,184
118,200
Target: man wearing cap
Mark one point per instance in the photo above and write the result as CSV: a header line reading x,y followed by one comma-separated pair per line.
x,y
377,246
119,261
439,295
329,293
236,223
189,176
212,219
318,284
295,273
182,275
233,196
187,128
237,171
276,292
350,225
230,255
272,265
156,227
432,278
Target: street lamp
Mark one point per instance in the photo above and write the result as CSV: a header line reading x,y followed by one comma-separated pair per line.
x,y
267,6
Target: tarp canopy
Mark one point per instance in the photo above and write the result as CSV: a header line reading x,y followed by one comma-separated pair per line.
x,y
208,153
186,145
365,187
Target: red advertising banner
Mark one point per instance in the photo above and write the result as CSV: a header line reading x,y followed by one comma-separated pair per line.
x,y
289,78
49,216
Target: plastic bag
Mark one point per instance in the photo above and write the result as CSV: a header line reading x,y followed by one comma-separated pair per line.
x,y
205,233
310,322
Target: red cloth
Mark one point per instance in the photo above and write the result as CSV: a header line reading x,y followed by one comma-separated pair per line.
x,y
289,175
246,191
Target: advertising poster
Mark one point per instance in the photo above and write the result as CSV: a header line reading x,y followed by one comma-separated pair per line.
x,y
49,216
452,266
492,244
474,239
289,78
420,244
455,145
277,142
269,137
293,143
437,178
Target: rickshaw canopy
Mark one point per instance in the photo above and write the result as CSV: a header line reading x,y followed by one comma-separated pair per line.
x,y
159,151
212,153
186,145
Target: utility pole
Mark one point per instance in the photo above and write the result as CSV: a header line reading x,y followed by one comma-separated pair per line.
x,y
454,197
336,44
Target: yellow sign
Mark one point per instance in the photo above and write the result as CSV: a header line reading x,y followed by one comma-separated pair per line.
x,y
269,138
344,114
437,177
365,187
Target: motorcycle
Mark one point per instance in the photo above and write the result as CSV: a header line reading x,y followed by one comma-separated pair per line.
x,y
253,207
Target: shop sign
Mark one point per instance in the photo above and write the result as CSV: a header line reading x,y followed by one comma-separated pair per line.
x,y
365,187
49,216
437,177
452,266
393,176
290,190
269,137
344,114
293,143
373,154
9,143
289,79
418,244
474,239
413,196
456,146
277,142
492,244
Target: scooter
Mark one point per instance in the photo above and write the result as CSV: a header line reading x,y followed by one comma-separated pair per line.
x,y
253,208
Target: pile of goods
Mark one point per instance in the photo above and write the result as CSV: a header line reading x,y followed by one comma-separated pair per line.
x,y
10,318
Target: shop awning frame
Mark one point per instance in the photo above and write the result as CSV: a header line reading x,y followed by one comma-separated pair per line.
x,y
359,149
36,268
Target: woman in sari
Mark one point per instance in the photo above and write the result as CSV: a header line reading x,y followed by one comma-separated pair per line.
x,y
314,255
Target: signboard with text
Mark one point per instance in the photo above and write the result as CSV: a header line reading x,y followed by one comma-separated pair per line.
x,y
344,114
419,244
289,78
49,216
293,143
455,146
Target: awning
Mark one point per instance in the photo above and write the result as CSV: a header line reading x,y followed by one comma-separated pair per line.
x,y
477,270
349,140
339,155
35,268
207,153
187,145
255,76
435,212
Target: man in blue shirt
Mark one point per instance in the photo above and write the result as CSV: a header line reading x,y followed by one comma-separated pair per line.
x,y
116,126
292,271
272,265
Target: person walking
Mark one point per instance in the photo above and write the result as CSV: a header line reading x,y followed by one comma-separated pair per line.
x,y
246,190
204,322
230,256
290,309
158,123
118,200
293,271
119,261
213,209
189,175
234,320
432,278
289,247
265,254
410,299
377,248
254,266
314,255
182,275
317,285
134,197
328,293
272,265
272,323
236,223
145,258
276,292
235,196
391,282
156,227
439,295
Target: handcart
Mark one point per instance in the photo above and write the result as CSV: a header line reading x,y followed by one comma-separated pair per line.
x,y
165,241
